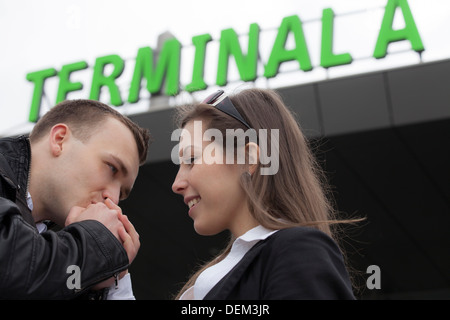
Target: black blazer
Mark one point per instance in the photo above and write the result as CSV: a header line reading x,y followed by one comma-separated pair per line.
x,y
293,263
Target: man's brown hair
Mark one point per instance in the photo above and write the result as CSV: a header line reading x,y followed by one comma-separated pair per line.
x,y
83,117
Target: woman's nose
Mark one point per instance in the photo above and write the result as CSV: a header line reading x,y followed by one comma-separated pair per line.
x,y
180,183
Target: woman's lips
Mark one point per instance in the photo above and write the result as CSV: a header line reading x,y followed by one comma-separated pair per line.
x,y
193,202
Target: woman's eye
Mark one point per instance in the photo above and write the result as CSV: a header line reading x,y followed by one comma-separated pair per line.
x,y
188,160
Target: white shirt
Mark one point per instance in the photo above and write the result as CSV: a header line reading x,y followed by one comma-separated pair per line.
x,y
211,276
124,290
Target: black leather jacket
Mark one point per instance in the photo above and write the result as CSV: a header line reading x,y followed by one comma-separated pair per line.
x,y
35,266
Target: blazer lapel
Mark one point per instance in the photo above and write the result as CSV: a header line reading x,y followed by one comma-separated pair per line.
x,y
223,288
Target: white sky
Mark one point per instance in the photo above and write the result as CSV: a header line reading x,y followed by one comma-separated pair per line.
x,y
51,33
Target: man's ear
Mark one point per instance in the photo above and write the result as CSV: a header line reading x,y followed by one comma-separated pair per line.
x,y
59,134
252,150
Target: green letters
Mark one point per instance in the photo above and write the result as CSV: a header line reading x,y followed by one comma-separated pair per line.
x,y
197,82
168,65
279,53
38,79
327,57
388,35
229,44
99,80
143,67
65,86
161,69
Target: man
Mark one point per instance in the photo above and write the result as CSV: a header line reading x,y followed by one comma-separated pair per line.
x,y
80,160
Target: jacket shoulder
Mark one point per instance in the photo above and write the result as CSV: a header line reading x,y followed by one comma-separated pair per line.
x,y
304,263
301,235
300,244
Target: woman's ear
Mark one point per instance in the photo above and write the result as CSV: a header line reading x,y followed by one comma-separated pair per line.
x,y
252,150
58,136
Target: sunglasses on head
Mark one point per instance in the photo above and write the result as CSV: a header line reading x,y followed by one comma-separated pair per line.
x,y
222,102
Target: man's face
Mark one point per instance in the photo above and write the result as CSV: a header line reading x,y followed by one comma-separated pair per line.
x,y
104,166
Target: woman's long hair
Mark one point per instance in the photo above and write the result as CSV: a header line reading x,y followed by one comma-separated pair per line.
x,y
298,194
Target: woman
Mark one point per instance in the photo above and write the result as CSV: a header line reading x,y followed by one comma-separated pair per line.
x,y
282,245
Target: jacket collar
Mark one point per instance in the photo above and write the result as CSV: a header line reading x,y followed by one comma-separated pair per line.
x,y
17,153
15,161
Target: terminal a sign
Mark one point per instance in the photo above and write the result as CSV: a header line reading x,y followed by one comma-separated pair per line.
x,y
164,68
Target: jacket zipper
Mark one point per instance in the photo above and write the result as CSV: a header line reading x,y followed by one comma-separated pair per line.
x,y
29,167
116,281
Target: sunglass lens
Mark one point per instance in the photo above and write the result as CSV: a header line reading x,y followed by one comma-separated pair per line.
x,y
213,97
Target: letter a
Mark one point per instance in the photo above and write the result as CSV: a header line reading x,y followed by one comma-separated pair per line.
x,y
388,35
374,281
74,281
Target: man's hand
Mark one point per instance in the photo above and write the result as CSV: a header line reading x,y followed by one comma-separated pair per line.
x,y
99,211
111,216
127,234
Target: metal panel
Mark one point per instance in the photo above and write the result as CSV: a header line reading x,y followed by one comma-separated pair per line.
x,y
420,93
353,104
302,102
161,125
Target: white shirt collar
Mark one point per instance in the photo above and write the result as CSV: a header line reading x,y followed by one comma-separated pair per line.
x,y
29,201
42,227
256,234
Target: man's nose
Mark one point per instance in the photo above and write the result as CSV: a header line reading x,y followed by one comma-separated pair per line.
x,y
113,193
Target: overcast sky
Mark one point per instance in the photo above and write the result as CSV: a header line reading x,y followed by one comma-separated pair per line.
x,y
36,35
